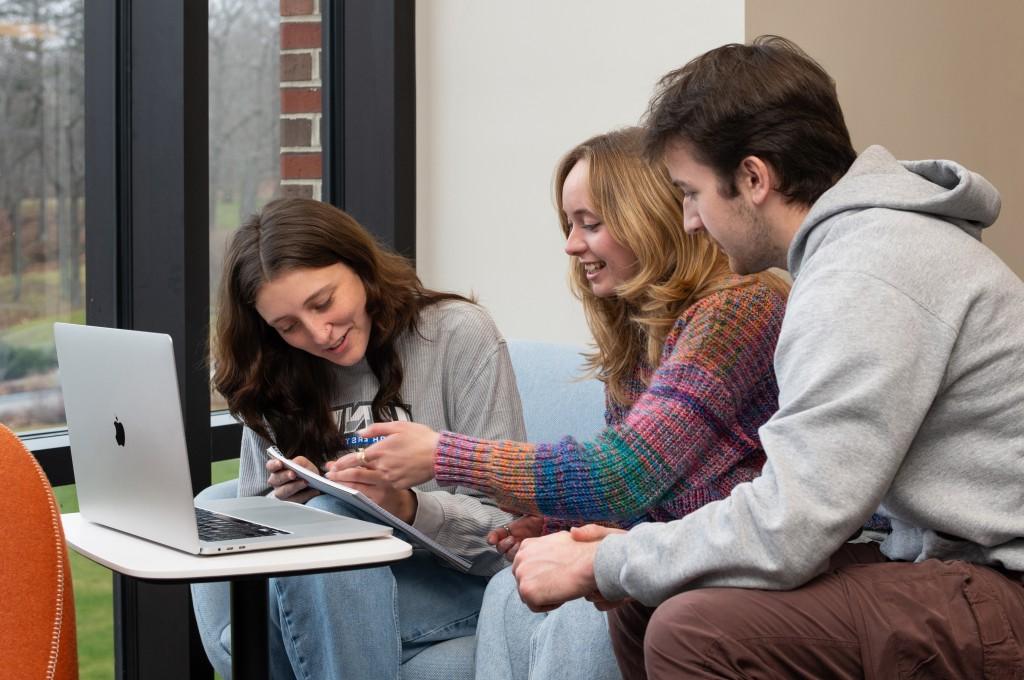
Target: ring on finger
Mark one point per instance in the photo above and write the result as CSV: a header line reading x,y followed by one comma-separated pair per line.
x,y
361,455
507,530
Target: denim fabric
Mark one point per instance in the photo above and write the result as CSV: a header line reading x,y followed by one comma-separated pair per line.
x,y
212,601
513,643
361,623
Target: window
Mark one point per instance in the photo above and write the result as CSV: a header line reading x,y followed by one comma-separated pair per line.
x,y
147,139
264,115
42,202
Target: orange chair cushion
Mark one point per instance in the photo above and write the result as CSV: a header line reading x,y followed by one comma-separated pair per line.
x,y
35,584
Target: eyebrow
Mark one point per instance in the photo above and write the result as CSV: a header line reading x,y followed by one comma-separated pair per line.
x,y
306,303
586,212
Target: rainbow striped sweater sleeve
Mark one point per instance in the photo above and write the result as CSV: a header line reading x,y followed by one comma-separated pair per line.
x,y
687,440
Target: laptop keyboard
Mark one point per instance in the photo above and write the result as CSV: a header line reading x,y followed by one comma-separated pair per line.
x,y
217,527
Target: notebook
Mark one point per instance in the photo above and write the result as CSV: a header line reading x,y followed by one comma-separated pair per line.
x,y
363,502
131,464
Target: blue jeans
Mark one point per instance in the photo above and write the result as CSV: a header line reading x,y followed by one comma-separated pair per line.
x,y
513,643
361,624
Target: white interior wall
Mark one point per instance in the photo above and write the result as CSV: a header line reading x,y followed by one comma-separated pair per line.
x,y
503,90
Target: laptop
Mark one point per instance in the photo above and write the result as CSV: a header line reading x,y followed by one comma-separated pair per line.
x,y
131,465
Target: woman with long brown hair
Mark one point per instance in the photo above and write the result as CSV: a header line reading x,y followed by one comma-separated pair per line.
x,y
320,333
684,348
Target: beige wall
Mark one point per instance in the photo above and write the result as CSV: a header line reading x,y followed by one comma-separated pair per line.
x,y
927,79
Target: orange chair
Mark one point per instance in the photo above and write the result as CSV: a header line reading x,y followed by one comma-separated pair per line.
x,y
35,578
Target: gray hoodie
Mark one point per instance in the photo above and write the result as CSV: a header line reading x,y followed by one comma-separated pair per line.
x,y
901,388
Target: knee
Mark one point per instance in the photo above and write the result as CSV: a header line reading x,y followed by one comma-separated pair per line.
x,y
332,505
501,609
228,489
683,628
500,590
314,590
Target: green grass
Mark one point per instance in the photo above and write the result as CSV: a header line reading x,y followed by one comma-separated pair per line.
x,y
37,333
226,217
40,294
93,586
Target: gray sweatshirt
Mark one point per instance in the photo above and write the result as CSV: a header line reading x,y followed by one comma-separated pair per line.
x,y
457,376
901,388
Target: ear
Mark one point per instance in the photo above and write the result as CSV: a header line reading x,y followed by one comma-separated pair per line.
x,y
755,179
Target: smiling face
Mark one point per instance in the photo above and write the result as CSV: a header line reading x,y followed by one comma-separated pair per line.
x,y
607,263
320,311
740,230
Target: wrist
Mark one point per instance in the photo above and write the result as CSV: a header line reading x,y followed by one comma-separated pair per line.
x,y
409,505
585,566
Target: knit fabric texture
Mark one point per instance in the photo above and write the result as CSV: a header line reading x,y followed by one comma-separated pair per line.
x,y
688,439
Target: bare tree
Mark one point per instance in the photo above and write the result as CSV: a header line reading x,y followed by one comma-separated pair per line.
x,y
42,102
20,155
244,109
41,194
66,172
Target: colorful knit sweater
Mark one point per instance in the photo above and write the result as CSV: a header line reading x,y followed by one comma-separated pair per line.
x,y
688,439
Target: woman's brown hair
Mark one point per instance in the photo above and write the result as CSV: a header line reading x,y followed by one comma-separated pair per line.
x,y
643,211
285,394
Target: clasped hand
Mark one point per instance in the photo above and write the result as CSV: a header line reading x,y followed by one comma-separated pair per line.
x,y
553,569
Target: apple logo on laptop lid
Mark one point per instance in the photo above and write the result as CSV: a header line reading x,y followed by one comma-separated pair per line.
x,y
118,432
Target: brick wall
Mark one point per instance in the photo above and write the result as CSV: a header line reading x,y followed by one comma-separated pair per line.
x,y
301,167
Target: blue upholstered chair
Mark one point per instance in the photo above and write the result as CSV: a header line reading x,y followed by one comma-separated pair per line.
x,y
555,403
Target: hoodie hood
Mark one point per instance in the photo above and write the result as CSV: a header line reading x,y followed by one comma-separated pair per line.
x,y
943,189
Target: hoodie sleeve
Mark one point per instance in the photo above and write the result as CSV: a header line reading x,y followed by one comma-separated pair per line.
x,y
858,364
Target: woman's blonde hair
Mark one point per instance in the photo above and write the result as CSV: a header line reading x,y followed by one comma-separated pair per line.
x,y
642,211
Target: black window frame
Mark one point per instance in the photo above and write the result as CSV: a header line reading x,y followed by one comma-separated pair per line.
x,y
147,244
147,253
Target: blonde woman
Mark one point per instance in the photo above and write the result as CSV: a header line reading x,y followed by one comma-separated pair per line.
x,y
684,348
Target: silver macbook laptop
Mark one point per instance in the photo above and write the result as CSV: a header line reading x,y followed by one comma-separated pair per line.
x,y
130,461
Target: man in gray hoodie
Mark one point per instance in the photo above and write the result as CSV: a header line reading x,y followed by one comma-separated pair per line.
x,y
901,391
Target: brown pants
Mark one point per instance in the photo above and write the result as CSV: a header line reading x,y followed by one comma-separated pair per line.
x,y
866,617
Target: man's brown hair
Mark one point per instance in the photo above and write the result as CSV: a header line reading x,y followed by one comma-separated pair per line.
x,y
767,99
